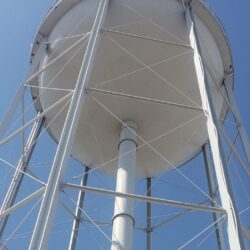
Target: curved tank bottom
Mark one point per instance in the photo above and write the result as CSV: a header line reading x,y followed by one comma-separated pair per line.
x,y
143,52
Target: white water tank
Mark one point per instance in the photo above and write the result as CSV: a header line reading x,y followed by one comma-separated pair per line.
x,y
144,55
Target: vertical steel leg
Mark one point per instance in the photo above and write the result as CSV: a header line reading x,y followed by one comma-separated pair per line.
x,y
149,215
77,218
235,238
47,211
241,128
212,190
12,192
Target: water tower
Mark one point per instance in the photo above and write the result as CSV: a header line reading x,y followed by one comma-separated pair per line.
x,y
144,86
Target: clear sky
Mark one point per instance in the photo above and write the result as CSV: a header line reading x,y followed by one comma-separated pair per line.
x,y
19,22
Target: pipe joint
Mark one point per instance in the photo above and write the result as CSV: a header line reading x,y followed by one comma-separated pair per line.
x,y
124,214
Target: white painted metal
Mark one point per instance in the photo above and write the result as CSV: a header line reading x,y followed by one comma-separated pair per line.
x,y
142,62
155,200
234,231
212,190
20,170
46,214
144,99
145,38
123,220
41,70
144,52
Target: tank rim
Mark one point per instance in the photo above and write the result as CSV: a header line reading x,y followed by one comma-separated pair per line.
x,y
200,7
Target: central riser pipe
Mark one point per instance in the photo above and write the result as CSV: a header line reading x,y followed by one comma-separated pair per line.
x,y
123,220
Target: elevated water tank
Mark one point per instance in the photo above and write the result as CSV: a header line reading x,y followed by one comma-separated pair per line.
x,y
143,72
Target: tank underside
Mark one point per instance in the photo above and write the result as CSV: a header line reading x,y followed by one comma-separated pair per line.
x,y
143,71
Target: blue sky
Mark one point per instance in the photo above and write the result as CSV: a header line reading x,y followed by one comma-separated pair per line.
x,y
19,22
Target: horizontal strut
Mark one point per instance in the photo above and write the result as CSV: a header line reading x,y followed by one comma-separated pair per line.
x,y
145,198
141,98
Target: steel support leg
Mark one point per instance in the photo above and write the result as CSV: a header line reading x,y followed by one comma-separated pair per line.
x,y
149,215
123,220
21,167
212,190
47,211
77,217
235,238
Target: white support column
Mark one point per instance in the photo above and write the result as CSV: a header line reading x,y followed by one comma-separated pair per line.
x,y
123,220
233,225
47,211
241,128
16,182
212,189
